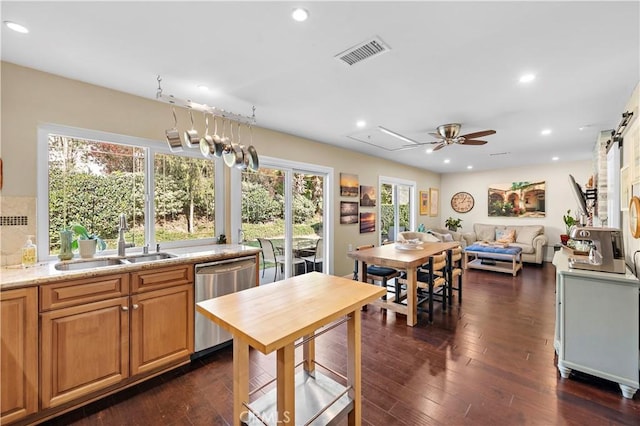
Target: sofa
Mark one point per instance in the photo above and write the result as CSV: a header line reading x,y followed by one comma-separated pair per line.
x,y
530,238
433,235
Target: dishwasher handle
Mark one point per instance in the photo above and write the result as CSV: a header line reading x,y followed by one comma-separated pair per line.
x,y
230,265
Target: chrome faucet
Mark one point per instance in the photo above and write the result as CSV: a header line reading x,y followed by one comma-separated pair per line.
x,y
122,244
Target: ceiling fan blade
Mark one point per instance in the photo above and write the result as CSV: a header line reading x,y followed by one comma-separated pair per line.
x,y
478,134
473,142
414,145
437,136
442,145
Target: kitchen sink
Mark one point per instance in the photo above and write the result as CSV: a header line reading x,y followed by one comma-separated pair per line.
x,y
88,264
149,257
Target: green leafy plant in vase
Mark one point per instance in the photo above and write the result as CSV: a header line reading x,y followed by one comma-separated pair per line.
x,y
569,221
453,224
84,237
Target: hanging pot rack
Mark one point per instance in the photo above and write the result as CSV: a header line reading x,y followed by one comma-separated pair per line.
x,y
218,112
233,153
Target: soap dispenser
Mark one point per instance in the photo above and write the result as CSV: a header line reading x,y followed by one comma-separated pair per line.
x,y
29,253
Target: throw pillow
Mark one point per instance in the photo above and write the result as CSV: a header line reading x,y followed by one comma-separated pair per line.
x,y
526,234
505,236
441,237
484,232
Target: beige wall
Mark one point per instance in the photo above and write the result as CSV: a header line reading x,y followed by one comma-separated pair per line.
x,y
558,195
631,143
30,98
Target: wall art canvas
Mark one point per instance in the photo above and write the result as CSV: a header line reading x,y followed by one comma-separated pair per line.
x,y
367,222
367,196
517,199
348,212
424,202
348,185
434,194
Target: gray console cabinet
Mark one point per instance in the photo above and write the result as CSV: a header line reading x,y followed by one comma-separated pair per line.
x,y
597,324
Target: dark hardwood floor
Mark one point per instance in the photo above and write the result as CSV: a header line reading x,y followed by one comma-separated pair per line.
x,y
488,362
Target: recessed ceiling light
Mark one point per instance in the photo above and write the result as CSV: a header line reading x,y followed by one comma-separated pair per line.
x,y
361,123
545,132
16,27
203,87
527,78
555,158
300,14
429,150
447,161
469,167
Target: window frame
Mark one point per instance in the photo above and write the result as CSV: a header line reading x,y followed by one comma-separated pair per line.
x,y
150,147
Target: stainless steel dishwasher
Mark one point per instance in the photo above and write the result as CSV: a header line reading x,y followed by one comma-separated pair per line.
x,y
216,279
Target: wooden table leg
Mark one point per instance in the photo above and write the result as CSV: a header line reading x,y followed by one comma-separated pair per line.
x,y
240,380
412,296
285,383
354,371
309,355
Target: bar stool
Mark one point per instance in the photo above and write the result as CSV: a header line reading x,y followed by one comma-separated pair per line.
x,y
453,270
431,278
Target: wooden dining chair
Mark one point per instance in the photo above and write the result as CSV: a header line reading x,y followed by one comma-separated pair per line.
x,y
431,282
381,274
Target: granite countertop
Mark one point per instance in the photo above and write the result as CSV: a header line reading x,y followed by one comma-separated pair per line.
x,y
45,272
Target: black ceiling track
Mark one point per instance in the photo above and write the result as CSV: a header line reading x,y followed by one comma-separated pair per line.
x,y
616,135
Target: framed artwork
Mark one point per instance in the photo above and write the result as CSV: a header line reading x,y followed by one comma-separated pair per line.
x,y
367,222
424,202
348,185
625,188
517,199
367,196
348,212
433,201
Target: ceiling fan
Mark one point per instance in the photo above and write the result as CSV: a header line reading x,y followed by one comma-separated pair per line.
x,y
448,134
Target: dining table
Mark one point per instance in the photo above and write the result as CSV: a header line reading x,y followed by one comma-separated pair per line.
x,y
402,257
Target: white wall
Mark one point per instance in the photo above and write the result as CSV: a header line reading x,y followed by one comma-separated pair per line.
x,y
558,195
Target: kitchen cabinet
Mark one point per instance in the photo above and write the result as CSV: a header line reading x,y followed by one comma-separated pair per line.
x,y
96,335
597,324
18,353
84,342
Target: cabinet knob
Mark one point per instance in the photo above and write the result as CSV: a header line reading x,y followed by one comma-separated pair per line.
x,y
135,306
125,308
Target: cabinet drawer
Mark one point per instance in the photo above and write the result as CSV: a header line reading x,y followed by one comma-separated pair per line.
x,y
77,292
161,277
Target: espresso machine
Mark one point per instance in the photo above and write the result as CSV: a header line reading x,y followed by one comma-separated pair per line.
x,y
606,252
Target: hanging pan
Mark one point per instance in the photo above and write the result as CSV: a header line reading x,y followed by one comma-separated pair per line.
x,y
252,155
173,135
232,154
206,142
191,138
218,144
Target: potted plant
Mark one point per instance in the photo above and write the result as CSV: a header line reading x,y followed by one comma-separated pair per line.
x,y
86,243
569,221
453,224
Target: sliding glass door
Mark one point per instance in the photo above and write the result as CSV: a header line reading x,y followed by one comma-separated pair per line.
x,y
397,201
282,209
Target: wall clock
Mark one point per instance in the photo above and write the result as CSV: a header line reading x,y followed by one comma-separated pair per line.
x,y
462,202
634,216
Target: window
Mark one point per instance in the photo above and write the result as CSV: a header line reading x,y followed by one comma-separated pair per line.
x,y
94,177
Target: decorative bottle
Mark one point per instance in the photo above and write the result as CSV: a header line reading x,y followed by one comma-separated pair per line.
x,y
29,253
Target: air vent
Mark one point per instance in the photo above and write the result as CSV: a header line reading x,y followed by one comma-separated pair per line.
x,y
362,51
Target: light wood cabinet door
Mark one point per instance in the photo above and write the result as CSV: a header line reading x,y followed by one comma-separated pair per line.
x,y
18,353
83,349
161,328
